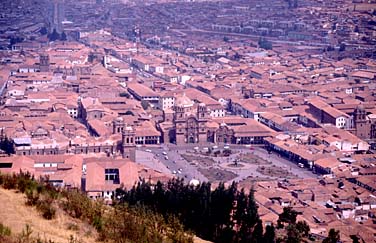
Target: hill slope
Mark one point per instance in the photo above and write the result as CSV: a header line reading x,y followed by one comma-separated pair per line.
x,y
16,215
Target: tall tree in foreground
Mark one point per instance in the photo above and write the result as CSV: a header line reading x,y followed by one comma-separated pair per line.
x,y
333,237
257,234
287,216
269,236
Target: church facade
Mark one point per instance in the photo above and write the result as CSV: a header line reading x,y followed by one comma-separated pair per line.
x,y
190,121
365,125
192,124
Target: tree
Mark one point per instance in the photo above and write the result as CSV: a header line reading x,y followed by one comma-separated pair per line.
x,y
221,207
240,215
342,47
293,234
90,57
237,56
269,235
15,40
226,39
356,239
330,48
145,104
43,31
333,236
303,228
253,217
257,234
53,36
265,44
7,145
288,216
63,37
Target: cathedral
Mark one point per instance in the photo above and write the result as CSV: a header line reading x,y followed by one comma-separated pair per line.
x,y
190,121
192,124
365,125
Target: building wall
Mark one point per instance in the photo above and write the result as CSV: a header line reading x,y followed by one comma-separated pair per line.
x,y
166,103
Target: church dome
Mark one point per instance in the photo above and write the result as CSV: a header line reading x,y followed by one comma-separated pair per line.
x,y
360,107
183,101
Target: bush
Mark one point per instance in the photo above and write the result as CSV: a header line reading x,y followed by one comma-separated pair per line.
x,y
78,205
4,230
47,209
73,226
10,182
136,224
25,181
32,197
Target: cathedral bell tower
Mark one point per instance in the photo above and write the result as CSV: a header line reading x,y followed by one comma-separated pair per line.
x,y
360,122
44,63
128,143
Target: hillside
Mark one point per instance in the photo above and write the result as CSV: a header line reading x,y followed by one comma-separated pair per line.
x,y
16,215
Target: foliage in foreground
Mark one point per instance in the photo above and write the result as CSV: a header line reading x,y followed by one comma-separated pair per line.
x,y
224,214
114,224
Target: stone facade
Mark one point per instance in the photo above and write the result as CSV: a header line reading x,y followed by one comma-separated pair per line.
x,y
365,126
190,124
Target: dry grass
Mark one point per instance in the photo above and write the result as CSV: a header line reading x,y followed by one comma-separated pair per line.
x,y
15,214
198,240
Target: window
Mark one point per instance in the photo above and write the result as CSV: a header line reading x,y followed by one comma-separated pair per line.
x,y
6,165
112,175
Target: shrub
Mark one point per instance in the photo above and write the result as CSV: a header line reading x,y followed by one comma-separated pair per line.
x,y
25,236
75,204
32,197
73,239
78,205
10,182
4,230
73,226
25,181
47,209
